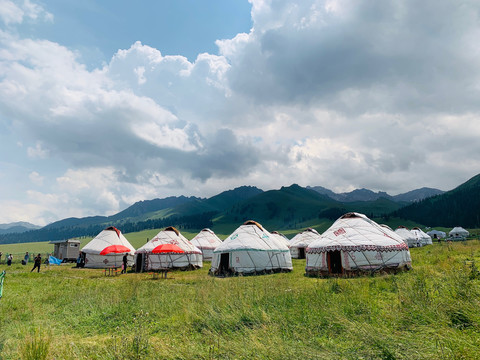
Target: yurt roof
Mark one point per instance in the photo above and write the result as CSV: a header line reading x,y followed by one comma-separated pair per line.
x,y
170,235
405,233
420,233
304,238
251,236
108,237
356,232
436,232
280,237
206,239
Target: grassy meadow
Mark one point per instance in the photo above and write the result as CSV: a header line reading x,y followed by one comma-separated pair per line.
x,y
430,312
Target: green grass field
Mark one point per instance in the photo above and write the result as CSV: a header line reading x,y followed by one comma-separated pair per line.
x,y
430,312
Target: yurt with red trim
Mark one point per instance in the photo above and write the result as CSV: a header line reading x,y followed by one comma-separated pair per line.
x,y
354,245
107,249
250,249
300,242
169,249
206,241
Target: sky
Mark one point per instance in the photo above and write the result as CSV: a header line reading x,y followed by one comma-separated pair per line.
x,y
105,103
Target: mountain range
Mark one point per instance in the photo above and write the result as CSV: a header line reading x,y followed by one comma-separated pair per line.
x,y
292,207
457,207
17,227
369,195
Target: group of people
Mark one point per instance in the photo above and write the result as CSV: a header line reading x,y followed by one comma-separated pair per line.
x,y
37,261
9,258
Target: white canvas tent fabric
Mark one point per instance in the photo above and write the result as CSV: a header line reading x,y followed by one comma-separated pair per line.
x,y
407,235
355,244
146,260
436,234
111,236
206,241
421,237
280,237
250,249
458,233
300,242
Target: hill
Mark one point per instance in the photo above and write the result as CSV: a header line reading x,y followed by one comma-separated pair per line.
x,y
217,203
279,209
369,195
457,207
17,227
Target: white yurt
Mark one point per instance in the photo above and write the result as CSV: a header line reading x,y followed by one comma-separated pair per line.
x,y
458,233
300,242
206,241
107,249
250,249
354,244
407,236
280,237
421,237
169,249
436,234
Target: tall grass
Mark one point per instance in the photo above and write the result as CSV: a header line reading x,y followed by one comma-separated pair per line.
x,y
429,312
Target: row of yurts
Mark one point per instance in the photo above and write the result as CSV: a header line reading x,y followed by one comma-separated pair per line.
x,y
353,244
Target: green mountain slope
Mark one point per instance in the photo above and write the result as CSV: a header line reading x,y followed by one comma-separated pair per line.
x,y
374,208
286,208
218,202
458,207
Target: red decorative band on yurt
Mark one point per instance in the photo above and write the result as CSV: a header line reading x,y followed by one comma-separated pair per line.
x,y
389,248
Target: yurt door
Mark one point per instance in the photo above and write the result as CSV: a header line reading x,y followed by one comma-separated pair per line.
x,y
334,261
224,262
301,253
139,263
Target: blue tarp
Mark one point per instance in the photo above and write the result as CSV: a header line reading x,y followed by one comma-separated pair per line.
x,y
54,261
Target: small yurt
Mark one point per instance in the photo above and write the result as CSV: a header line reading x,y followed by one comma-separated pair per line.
x,y
421,237
107,249
250,249
436,234
458,233
206,241
353,245
280,237
169,249
407,236
300,242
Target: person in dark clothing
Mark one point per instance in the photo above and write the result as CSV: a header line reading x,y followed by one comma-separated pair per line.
x,y
79,260
9,259
36,263
125,263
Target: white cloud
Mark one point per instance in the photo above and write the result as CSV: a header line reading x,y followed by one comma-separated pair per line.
x,y
14,12
36,178
37,152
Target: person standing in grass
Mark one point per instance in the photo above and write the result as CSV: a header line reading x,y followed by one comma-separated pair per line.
x,y
125,262
9,259
36,263
1,257
26,258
